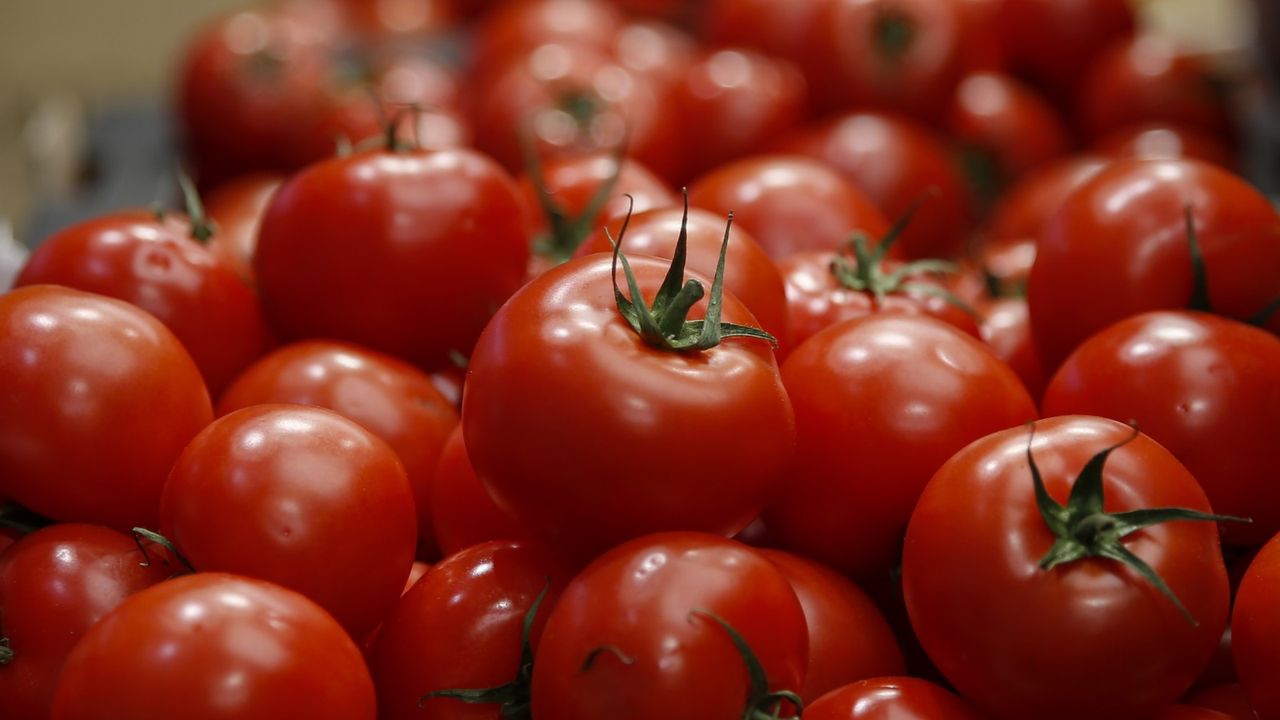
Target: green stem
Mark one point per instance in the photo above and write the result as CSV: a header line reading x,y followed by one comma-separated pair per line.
x,y
1199,273
141,533
6,652
201,227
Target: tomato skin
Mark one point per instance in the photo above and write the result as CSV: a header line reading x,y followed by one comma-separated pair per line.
x,y
54,585
171,650
1051,42
881,403
981,605
563,336
456,250
236,209
1006,329
1165,140
329,514
1024,211
849,639
890,698
788,203
1228,699
1118,247
1202,386
997,115
96,449
895,162
515,28
155,264
1187,712
639,597
460,628
462,512
1255,632
749,274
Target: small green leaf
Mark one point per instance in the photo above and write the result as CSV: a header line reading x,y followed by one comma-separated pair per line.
x,y
1199,273
1087,493
1053,513
1121,554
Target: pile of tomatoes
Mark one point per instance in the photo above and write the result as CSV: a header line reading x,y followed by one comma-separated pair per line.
x,y
721,360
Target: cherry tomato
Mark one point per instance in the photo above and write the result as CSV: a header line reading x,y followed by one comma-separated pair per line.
x,y
890,698
154,263
462,512
1089,636
848,637
1165,141
881,403
236,209
788,203
54,585
393,240
211,646
1119,246
1006,125
461,628
1255,634
638,634
1025,209
99,399
1053,42
388,397
328,513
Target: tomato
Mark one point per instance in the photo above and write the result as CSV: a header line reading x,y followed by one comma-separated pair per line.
x,y
591,473
890,698
656,50
1255,634
462,512
99,399
638,634
1146,79
896,163
1229,700
1119,246
1024,211
788,203
734,102
749,274
515,28
328,513
782,29
1006,329
391,239
848,637
416,571
1090,636
461,628
983,49
1202,386
156,264
1167,141
1006,127
880,404
1053,42
211,646
388,397
389,21
54,585
236,209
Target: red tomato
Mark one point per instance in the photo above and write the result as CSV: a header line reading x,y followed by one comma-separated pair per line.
x,y
890,698
1165,141
638,635
389,21
983,49
461,628
656,50
328,513
99,399
515,28
388,397
392,239
1187,712
1202,386
156,264
463,514
209,647
848,637
782,29
896,163
1227,699
880,404
1118,247
1089,636
788,203
1006,329
1006,126
1146,79
563,336
1024,211
54,585
1052,42
749,274
1255,632
236,209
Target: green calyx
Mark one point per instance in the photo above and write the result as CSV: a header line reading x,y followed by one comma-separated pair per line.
x,y
565,232
140,534
6,653
894,33
201,225
761,703
513,698
664,325
1084,530
1200,277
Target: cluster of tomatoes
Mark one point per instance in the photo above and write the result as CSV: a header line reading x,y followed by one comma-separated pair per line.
x,y
949,388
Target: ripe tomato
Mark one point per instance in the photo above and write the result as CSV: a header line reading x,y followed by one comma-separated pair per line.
x,y
515,28
782,29
880,404
155,263
1089,636
896,163
890,698
1165,141
1187,712
656,50
1026,208
1229,700
1006,126
54,585
1052,42
99,399
1202,386
1255,634
788,203
236,209
1006,329
848,637
328,513
462,628
638,634
562,336
462,512
388,397
1119,246
391,239
211,646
